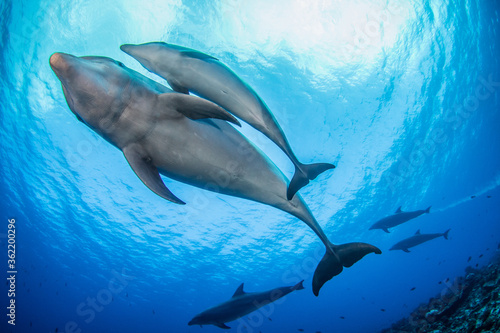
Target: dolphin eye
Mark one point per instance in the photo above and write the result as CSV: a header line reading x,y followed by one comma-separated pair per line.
x,y
120,64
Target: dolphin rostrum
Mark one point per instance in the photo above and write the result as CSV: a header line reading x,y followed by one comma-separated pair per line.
x,y
241,304
417,239
187,70
398,218
177,135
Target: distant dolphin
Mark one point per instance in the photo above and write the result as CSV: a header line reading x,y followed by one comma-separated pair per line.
x,y
187,70
398,218
241,304
417,239
157,131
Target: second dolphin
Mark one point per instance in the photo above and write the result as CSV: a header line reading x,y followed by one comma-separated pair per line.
x,y
187,70
241,304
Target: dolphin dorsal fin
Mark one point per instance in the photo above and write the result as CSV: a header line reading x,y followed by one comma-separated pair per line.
x,y
399,210
197,55
239,291
418,232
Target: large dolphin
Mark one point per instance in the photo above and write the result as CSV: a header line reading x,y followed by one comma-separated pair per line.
x,y
160,131
187,70
241,304
417,239
398,218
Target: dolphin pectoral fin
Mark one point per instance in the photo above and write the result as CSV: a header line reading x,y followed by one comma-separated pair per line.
x,y
222,325
178,88
350,253
406,250
386,230
197,55
148,173
328,267
303,174
195,107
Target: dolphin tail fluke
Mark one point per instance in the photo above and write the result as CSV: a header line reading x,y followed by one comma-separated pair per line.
x,y
314,170
303,174
328,267
428,210
344,255
445,235
350,253
298,286
298,181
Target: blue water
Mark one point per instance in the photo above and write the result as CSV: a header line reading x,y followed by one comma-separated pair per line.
x,y
391,92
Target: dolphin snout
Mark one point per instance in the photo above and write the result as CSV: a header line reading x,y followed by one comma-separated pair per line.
x,y
127,48
59,61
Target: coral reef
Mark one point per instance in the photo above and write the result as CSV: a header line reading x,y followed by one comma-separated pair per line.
x,y
470,304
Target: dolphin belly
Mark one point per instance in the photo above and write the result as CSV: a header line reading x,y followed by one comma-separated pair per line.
x,y
221,86
214,156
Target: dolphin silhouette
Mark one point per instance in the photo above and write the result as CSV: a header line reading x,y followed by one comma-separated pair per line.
x,y
417,239
398,218
241,304
187,70
185,138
